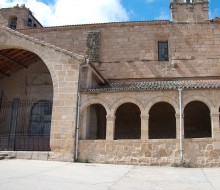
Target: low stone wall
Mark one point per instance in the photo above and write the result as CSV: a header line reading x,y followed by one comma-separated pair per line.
x,y
197,152
202,152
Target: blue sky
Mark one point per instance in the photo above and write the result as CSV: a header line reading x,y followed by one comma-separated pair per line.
x,y
158,9
68,12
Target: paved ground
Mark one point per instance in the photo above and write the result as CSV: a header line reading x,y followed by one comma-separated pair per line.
x,y
47,175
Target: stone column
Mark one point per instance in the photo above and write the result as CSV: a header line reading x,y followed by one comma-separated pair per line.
x,y
110,127
215,125
144,126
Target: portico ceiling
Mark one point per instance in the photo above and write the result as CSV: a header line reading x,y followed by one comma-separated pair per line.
x,y
13,60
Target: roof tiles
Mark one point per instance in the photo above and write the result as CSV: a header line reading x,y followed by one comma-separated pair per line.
x,y
156,85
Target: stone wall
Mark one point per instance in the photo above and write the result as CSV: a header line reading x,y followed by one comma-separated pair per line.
x,y
129,50
197,152
63,67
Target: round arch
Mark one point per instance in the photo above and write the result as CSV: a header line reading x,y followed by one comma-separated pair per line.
x,y
54,58
93,122
162,99
95,101
202,99
44,58
124,100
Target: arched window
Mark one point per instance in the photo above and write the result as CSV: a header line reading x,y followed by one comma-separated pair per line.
x,y
13,22
29,22
197,121
162,121
41,118
94,122
128,122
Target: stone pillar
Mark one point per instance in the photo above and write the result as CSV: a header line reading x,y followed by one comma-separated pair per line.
x,y
215,125
144,126
110,127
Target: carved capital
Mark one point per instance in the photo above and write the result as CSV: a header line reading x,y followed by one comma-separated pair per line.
x,y
110,117
214,114
144,116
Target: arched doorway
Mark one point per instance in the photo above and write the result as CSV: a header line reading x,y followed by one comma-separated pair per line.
x,y
162,121
197,121
128,122
94,123
25,80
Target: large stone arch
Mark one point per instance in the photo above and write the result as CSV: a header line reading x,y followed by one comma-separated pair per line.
x,y
202,99
123,100
162,99
64,69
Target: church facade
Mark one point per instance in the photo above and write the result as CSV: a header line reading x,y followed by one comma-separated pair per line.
x,y
126,93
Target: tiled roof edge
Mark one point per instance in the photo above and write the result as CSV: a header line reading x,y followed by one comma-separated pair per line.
x,y
157,85
35,40
100,23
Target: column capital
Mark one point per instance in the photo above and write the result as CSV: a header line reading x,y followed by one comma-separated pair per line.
x,y
110,117
214,114
145,116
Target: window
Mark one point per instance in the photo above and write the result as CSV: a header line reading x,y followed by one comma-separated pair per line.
x,y
29,22
13,23
163,51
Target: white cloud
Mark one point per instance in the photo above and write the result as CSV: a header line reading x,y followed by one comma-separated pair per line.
x,y
64,12
163,15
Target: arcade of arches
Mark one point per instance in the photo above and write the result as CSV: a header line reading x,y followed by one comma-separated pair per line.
x,y
162,122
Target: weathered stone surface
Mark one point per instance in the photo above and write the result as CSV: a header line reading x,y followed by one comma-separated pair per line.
x,y
155,154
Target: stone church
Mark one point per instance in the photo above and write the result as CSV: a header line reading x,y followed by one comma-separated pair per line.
x,y
145,92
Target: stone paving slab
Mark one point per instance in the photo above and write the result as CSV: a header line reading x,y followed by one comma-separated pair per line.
x,y
46,175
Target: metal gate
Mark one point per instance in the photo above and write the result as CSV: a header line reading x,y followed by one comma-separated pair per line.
x,y
25,125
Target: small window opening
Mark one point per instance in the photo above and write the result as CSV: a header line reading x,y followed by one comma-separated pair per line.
x,y
163,51
13,23
29,22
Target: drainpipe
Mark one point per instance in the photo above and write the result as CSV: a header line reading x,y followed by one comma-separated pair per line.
x,y
77,125
78,111
181,135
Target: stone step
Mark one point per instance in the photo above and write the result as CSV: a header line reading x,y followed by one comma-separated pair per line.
x,y
9,157
3,154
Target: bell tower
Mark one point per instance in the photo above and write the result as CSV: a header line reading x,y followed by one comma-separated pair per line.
x,y
189,10
18,17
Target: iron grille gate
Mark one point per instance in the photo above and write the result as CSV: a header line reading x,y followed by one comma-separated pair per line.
x,y
25,125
